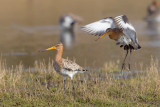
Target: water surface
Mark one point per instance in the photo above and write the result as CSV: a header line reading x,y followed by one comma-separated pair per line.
x,y
28,26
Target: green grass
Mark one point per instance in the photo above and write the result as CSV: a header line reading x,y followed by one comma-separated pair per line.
x,y
44,87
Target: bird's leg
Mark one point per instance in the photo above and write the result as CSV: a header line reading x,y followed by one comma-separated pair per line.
x,y
73,88
129,65
64,89
123,64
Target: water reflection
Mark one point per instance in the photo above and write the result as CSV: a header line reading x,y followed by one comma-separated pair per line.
x,y
153,29
31,25
67,24
67,37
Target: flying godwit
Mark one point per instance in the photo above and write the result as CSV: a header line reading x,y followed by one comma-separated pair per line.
x,y
117,28
65,67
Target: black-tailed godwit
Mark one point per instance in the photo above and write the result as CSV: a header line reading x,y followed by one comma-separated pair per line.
x,y
117,28
65,67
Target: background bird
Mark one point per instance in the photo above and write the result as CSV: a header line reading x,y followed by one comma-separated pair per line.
x,y
67,24
153,7
65,67
117,28
153,12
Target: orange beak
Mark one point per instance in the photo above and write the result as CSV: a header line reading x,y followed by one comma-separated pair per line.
x,y
53,47
102,36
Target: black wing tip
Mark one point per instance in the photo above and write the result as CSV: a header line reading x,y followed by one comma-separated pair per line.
x,y
125,19
83,28
139,47
84,70
126,47
108,18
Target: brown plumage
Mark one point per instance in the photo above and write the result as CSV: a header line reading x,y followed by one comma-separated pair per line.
x,y
65,67
153,7
117,28
153,13
115,33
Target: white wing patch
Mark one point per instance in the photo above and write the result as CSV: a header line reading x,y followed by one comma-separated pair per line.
x,y
99,27
123,22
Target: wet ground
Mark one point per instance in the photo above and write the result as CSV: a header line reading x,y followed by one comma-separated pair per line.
x,y
31,25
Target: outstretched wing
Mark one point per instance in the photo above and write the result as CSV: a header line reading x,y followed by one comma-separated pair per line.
x,y
99,27
123,23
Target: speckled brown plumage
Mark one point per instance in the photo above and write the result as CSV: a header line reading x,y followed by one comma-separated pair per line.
x,y
65,67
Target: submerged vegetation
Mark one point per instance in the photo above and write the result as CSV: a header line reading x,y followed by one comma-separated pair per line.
x,y
44,87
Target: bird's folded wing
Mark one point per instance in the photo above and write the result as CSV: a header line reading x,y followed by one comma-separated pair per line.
x,y
70,65
98,28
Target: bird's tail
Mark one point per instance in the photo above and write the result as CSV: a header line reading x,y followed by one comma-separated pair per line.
x,y
136,46
82,71
139,47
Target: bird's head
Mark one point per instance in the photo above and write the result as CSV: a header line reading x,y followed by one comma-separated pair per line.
x,y
58,47
155,3
67,22
108,31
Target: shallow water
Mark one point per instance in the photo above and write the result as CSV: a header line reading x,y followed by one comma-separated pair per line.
x,y
31,25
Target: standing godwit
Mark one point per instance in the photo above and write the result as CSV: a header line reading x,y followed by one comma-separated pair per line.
x,y
65,67
118,29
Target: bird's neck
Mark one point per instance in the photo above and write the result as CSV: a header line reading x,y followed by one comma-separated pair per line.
x,y
58,56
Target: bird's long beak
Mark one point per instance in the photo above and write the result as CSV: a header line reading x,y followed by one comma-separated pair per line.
x,y
102,36
53,47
